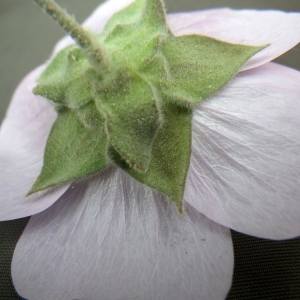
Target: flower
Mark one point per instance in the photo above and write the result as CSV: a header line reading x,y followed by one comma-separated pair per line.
x,y
102,240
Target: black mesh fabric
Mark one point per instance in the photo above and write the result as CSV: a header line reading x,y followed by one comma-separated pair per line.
x,y
265,269
10,231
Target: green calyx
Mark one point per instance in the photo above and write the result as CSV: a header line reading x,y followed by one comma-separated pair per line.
x,y
137,114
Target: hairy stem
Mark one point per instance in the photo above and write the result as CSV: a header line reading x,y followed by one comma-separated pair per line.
x,y
95,53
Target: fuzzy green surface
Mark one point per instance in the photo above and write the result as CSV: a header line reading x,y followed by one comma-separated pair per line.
x,y
142,108
198,66
133,117
76,147
170,154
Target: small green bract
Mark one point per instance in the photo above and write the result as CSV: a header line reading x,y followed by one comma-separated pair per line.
x,y
139,114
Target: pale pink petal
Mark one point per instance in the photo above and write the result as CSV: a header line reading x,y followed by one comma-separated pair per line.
x,y
23,137
249,27
97,20
245,163
114,238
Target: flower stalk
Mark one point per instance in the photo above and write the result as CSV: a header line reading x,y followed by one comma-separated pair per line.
x,y
97,56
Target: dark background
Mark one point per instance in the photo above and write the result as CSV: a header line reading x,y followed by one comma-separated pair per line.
x,y
263,269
